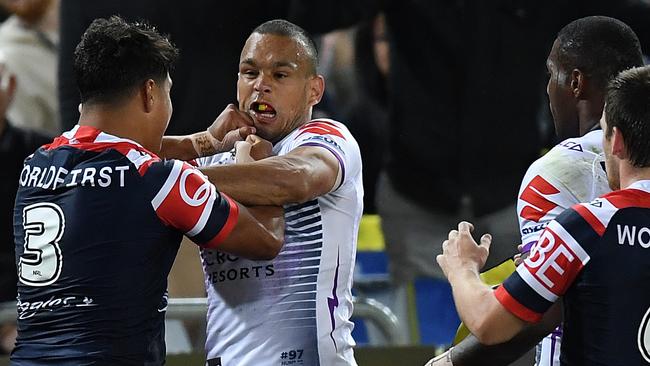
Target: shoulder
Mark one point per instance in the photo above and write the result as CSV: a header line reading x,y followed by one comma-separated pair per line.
x,y
325,126
599,213
572,165
169,170
327,133
586,146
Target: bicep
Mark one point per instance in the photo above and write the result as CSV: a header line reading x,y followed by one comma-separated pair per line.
x,y
322,168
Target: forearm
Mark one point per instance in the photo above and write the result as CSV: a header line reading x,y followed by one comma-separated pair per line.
x,y
471,296
470,352
479,309
178,147
271,217
274,181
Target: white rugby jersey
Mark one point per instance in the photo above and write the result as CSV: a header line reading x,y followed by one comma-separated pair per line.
x,y
572,172
294,309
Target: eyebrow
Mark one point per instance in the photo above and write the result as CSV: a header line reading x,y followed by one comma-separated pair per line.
x,y
291,65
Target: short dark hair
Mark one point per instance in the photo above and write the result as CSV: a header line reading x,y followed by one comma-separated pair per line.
x,y
285,28
599,46
114,57
628,109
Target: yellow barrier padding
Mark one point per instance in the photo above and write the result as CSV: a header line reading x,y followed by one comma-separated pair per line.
x,y
493,277
371,238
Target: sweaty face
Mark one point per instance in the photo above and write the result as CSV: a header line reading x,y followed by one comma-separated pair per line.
x,y
275,84
561,100
611,166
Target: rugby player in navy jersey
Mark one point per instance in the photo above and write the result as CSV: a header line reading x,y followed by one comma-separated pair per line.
x,y
99,216
594,256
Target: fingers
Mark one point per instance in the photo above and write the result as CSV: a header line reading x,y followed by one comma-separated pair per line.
x,y
242,146
245,120
465,227
486,241
253,139
439,259
243,152
452,234
246,131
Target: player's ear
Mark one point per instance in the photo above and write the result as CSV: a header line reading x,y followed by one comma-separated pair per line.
x,y
147,91
316,89
618,144
578,83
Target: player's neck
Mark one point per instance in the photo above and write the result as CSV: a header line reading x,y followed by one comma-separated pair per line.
x,y
117,121
589,113
630,174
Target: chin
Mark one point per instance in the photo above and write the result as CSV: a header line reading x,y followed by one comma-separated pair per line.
x,y
266,135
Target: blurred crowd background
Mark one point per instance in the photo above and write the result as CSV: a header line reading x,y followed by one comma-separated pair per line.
x,y
446,99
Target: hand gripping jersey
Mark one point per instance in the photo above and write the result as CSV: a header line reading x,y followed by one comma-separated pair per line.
x,y
572,172
295,309
596,255
98,221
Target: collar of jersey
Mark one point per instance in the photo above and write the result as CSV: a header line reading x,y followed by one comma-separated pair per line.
x,y
83,136
641,185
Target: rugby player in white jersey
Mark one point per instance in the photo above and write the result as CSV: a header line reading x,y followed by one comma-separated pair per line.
x,y
587,54
295,309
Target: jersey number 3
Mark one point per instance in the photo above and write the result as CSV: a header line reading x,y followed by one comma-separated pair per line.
x,y
41,261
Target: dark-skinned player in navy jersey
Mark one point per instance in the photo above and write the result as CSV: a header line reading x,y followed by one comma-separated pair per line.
x,y
99,216
594,256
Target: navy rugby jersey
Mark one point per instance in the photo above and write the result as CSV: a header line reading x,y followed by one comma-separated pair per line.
x,y
597,256
98,221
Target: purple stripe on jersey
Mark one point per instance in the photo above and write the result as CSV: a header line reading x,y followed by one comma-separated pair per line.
x,y
553,338
528,246
338,157
333,302
557,332
555,335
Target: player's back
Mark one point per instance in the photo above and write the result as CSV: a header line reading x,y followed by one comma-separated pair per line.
x,y
92,255
608,307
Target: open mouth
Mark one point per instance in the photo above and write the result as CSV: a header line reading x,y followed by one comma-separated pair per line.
x,y
263,110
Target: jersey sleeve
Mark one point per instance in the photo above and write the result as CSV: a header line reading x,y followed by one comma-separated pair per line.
x,y
188,202
542,197
337,140
555,261
217,159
